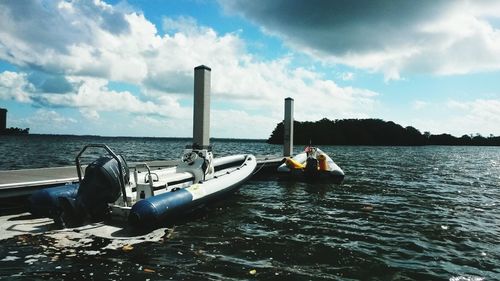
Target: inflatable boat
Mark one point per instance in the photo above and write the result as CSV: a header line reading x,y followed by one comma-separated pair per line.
x,y
109,189
311,165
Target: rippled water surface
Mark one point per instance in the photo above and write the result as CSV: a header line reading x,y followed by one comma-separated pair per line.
x,y
402,213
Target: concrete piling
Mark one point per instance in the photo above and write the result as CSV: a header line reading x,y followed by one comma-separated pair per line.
x,y
288,128
201,109
3,119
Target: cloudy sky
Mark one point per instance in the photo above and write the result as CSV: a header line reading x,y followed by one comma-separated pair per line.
x,y
125,68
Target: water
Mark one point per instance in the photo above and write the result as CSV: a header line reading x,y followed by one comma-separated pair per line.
x,y
402,213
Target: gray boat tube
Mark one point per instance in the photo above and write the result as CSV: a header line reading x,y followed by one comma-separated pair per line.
x,y
45,202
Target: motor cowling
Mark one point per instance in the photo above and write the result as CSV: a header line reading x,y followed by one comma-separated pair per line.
x,y
101,185
311,169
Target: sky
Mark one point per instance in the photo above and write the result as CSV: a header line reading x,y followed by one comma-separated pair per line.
x,y
125,68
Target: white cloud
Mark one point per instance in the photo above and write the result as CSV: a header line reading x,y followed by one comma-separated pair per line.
x,y
347,76
44,121
462,117
14,86
123,46
479,113
89,114
93,96
418,104
241,124
155,126
391,37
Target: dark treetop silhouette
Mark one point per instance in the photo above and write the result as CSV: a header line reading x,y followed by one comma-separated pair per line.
x,y
371,132
14,131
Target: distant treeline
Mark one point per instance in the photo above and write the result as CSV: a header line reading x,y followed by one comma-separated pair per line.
x,y
14,131
371,132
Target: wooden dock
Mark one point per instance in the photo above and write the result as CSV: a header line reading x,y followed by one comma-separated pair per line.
x,y
19,183
16,183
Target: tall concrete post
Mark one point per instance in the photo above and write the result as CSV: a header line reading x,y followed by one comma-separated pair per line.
x,y
201,109
3,119
288,128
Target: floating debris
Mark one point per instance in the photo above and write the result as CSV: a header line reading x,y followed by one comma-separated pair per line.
x,y
92,252
367,208
17,225
199,252
466,278
127,248
252,272
169,233
10,258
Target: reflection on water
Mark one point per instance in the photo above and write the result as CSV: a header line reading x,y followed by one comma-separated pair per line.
x,y
402,213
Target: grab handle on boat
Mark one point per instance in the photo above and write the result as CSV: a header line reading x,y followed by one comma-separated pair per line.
x,y
150,177
110,152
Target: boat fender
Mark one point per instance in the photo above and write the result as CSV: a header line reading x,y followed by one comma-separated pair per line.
x,y
293,164
45,202
151,211
71,215
323,164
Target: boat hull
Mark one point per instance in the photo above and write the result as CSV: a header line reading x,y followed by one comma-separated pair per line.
x,y
332,173
171,201
157,209
320,176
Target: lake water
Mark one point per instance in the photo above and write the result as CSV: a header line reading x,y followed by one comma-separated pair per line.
x,y
402,213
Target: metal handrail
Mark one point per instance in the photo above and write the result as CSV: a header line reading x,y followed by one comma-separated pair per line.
x,y
110,152
150,178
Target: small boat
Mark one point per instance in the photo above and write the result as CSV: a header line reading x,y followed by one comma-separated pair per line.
x,y
311,165
144,197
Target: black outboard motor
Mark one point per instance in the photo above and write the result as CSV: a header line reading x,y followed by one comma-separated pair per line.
x,y
100,186
311,169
